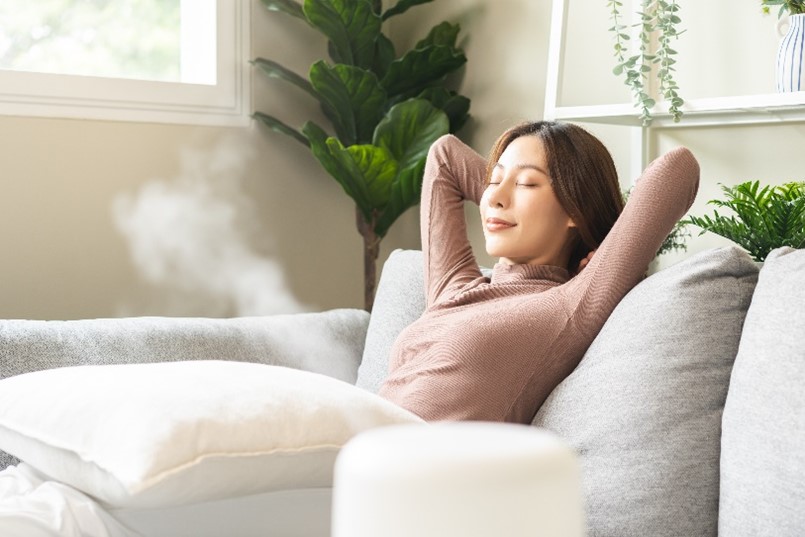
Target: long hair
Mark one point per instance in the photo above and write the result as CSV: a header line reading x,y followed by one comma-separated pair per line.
x,y
583,177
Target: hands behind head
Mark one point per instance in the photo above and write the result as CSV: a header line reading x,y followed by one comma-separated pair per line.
x,y
584,262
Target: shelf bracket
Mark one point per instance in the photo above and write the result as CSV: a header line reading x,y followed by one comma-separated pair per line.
x,y
553,87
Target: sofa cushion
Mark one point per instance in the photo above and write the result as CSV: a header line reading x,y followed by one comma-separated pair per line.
x,y
296,340
643,408
399,301
328,342
163,434
763,440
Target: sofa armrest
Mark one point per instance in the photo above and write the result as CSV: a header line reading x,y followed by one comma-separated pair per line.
x,y
329,342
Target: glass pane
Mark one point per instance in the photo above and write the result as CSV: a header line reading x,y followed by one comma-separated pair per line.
x,y
138,39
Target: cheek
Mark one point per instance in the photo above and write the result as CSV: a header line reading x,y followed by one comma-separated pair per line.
x,y
482,205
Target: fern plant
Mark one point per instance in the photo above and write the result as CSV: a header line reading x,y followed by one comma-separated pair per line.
x,y
676,239
765,218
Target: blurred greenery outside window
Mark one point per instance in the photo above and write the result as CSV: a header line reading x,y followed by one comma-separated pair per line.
x,y
164,61
159,40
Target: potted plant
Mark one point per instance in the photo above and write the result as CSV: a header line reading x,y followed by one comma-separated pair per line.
x,y
385,109
793,7
660,18
765,218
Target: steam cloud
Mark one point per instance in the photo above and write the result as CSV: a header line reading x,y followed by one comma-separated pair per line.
x,y
192,238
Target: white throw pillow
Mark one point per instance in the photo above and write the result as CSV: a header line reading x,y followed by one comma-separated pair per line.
x,y
162,434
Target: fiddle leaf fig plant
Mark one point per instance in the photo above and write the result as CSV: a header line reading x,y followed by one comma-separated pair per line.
x,y
385,109
660,17
765,218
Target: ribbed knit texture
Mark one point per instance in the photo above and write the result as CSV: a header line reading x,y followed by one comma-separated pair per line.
x,y
494,348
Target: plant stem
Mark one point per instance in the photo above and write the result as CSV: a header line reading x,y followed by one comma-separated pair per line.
x,y
371,249
635,68
666,23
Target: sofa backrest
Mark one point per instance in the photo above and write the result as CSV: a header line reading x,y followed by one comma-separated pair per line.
x,y
763,441
644,406
643,409
399,301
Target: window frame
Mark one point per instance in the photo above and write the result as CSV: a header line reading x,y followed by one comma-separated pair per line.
x,y
226,103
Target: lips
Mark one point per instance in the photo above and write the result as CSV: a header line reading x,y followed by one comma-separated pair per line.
x,y
496,224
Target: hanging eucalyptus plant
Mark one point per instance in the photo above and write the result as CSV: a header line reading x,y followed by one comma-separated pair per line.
x,y
386,110
658,17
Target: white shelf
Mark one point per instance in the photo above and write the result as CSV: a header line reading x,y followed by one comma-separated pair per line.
x,y
722,111
767,109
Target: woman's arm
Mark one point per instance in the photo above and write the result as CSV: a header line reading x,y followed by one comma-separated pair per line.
x,y
453,173
661,197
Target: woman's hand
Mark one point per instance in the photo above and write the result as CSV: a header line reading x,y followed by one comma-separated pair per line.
x,y
583,263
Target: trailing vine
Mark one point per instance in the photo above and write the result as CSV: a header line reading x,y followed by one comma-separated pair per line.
x,y
633,68
656,16
666,21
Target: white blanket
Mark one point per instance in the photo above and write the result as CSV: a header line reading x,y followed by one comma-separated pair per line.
x,y
34,506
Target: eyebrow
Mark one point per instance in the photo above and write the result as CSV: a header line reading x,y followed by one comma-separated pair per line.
x,y
524,167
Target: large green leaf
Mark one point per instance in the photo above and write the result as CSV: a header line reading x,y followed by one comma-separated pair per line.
x,y
349,177
402,6
444,34
451,103
275,70
409,129
420,68
351,25
278,126
286,6
353,99
376,165
384,55
405,193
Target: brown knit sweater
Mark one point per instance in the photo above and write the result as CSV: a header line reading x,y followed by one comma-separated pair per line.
x,y
494,348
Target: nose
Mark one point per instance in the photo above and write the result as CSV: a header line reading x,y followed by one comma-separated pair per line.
x,y
500,195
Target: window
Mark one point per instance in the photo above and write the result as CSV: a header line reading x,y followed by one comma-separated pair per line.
x,y
174,61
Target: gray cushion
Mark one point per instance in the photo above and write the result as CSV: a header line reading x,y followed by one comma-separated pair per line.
x,y
399,301
763,442
643,408
329,343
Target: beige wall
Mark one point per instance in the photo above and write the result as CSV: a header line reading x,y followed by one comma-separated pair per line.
x,y
105,219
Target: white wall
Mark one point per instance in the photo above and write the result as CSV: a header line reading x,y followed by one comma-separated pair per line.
x,y
245,222
720,54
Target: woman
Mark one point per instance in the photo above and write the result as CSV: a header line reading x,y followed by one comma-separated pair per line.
x,y
494,348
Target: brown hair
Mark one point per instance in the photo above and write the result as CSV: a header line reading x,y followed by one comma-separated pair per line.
x,y
583,177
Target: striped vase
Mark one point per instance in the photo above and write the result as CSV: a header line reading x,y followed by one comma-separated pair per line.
x,y
790,65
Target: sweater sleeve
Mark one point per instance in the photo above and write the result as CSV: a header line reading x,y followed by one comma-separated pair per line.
x,y
453,173
662,195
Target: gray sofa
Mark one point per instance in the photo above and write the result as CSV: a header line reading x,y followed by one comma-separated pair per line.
x,y
688,411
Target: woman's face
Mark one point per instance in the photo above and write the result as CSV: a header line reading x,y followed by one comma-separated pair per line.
x,y
523,220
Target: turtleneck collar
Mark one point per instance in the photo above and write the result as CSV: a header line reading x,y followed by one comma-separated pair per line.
x,y
505,273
